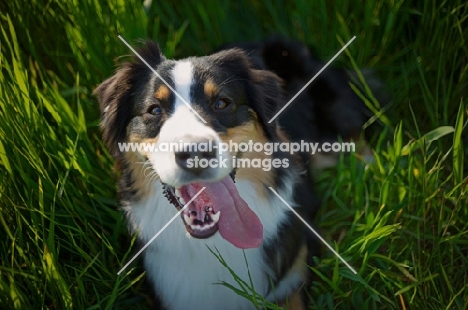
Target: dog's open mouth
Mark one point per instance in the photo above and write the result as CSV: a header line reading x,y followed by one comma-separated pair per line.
x,y
218,207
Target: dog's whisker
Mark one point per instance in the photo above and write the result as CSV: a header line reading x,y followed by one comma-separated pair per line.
x,y
232,80
151,179
226,80
143,164
143,168
146,169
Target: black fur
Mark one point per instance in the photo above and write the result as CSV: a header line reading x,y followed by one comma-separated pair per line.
x,y
327,109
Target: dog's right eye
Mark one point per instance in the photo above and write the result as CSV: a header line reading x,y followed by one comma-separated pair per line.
x,y
155,110
221,103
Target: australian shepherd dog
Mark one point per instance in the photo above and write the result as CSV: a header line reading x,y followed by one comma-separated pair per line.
x,y
227,211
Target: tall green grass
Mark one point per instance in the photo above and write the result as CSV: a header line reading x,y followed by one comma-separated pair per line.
x,y
401,220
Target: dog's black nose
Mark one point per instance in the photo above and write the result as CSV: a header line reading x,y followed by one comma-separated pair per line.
x,y
195,156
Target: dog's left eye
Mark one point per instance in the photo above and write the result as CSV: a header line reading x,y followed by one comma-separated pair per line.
x,y
221,104
155,110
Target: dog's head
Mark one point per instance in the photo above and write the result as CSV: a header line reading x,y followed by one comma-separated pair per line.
x,y
180,113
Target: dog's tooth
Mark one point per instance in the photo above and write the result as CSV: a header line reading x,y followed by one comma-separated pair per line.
x,y
177,192
188,219
182,200
215,217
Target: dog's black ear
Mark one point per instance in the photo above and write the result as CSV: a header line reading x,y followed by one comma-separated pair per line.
x,y
268,96
289,59
151,53
263,86
116,94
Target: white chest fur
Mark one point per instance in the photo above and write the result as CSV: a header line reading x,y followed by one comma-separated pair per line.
x,y
186,275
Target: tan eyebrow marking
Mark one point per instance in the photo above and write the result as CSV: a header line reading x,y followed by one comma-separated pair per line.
x,y
211,89
162,93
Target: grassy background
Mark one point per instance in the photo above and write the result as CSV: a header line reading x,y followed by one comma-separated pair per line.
x,y
401,221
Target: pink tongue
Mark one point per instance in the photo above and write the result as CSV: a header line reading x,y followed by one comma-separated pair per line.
x,y
237,224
